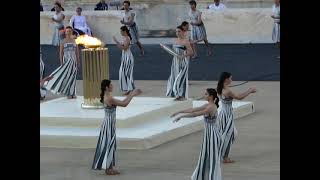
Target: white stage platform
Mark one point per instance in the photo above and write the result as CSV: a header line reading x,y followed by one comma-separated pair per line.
x,y
143,124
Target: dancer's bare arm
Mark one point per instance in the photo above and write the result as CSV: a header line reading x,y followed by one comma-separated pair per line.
x,y
207,110
126,101
240,96
190,110
189,49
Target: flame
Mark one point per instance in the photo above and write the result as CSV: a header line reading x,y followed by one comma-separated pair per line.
x,y
88,41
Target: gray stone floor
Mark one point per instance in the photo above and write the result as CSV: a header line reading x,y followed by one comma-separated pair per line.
x,y
256,150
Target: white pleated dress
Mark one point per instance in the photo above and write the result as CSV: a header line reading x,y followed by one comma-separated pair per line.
x,y
65,77
177,85
226,125
104,157
208,166
126,70
276,24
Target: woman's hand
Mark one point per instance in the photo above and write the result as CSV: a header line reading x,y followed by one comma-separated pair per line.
x,y
174,114
253,89
177,119
136,92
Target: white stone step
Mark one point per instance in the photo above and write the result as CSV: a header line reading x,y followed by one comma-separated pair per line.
x,y
140,136
143,136
68,113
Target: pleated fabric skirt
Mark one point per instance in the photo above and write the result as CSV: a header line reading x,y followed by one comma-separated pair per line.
x,y
177,85
276,32
208,166
104,157
126,71
227,129
64,78
42,68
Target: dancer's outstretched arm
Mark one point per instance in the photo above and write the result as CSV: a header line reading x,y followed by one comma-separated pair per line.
x,y
240,96
207,110
126,101
190,110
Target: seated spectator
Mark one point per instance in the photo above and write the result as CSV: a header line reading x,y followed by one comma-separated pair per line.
x,y
79,23
101,6
216,6
53,9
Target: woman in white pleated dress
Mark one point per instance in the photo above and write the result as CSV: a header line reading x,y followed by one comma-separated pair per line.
x,y
105,154
126,82
177,85
276,25
208,166
64,77
225,115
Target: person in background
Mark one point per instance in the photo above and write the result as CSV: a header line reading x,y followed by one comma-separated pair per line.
x,y
126,82
53,9
129,21
177,85
216,5
198,32
58,29
79,23
276,25
41,7
65,76
102,6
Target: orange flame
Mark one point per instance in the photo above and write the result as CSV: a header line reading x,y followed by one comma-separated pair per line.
x,y
88,41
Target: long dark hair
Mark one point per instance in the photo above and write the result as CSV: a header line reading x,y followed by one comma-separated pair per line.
x,y
69,27
193,2
212,92
58,4
125,28
104,84
223,77
128,2
184,23
180,27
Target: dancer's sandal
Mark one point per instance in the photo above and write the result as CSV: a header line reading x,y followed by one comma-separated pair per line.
x,y
228,160
112,172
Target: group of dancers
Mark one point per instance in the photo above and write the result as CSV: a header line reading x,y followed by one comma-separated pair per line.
x,y
63,79
219,129
219,126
